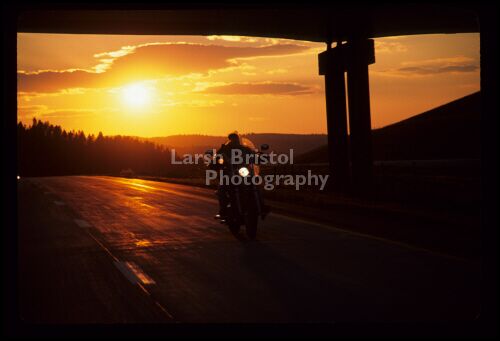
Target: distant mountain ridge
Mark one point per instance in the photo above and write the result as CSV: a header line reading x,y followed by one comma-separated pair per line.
x,y
280,143
450,131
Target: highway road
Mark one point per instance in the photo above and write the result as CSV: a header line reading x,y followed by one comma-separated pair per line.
x,y
109,249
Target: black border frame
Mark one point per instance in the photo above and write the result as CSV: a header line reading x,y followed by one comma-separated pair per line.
x,y
486,324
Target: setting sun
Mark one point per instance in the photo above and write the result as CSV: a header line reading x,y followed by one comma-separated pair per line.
x,y
136,95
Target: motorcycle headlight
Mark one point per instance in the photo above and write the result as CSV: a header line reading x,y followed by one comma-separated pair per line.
x,y
243,171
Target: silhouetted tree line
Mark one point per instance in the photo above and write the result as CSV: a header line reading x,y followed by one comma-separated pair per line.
x,y
45,149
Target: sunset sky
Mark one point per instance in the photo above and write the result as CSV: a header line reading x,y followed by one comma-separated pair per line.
x,y
165,85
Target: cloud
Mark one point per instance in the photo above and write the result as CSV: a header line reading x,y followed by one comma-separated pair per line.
x,y
52,81
198,103
277,71
264,88
42,111
384,46
149,61
67,113
31,110
233,38
425,70
428,67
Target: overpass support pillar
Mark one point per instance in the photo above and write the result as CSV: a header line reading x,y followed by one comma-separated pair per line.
x,y
361,53
331,65
349,170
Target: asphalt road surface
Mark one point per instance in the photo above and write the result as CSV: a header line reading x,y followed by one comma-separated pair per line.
x,y
106,249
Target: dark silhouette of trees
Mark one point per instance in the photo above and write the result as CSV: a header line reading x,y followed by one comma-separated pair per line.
x,y
45,149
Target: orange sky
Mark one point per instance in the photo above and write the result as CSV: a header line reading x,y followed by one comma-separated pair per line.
x,y
165,85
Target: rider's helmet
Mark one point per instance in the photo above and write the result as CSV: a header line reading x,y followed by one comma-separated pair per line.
x,y
234,137
236,140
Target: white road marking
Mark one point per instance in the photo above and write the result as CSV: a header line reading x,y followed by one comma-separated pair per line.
x,y
126,272
164,310
82,223
134,273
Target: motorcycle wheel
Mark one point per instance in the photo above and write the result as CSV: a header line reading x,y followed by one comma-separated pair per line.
x,y
234,228
251,222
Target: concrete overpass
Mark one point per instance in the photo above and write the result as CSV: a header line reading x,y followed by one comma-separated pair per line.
x,y
311,22
350,27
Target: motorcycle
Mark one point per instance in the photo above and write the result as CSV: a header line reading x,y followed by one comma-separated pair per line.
x,y
244,202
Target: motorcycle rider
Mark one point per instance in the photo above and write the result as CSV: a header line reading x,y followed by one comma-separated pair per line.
x,y
233,142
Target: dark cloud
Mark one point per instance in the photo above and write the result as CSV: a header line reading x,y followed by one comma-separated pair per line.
x,y
440,66
427,70
148,62
52,81
271,88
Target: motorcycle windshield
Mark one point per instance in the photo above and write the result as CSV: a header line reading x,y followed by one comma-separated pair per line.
x,y
247,143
